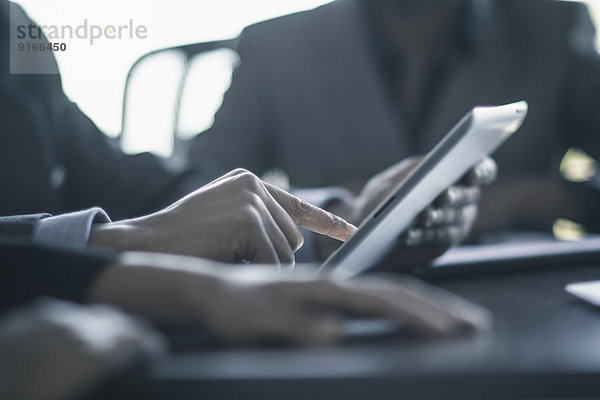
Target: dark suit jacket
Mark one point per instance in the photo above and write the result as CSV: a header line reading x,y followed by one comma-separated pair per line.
x,y
309,97
54,159
28,271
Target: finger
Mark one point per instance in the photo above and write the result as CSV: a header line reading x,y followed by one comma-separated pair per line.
x,y
431,307
437,217
271,237
482,174
469,214
259,198
379,299
286,324
448,235
411,237
469,315
457,196
311,217
260,249
283,219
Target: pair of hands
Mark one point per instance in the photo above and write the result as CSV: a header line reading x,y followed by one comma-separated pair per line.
x,y
240,218
237,217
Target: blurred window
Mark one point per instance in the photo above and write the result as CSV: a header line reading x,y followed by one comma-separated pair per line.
x,y
95,76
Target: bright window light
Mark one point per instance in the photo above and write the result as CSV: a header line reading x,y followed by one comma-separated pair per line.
x,y
94,76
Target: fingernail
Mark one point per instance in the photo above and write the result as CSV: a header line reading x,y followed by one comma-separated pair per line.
x,y
349,229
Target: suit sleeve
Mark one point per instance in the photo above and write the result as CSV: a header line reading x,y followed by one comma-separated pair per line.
x,y
70,230
29,271
20,225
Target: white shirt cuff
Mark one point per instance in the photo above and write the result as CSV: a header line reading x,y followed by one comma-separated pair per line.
x,y
71,229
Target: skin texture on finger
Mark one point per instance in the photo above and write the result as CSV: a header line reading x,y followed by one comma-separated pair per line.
x,y
311,217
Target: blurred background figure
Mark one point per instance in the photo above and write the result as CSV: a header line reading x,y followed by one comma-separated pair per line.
x,y
69,164
334,95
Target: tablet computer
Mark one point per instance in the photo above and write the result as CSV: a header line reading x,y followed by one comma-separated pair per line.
x,y
476,136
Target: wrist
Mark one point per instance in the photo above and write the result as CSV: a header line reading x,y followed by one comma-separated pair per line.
x,y
115,235
169,290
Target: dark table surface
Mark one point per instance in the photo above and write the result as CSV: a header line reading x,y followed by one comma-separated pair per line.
x,y
545,344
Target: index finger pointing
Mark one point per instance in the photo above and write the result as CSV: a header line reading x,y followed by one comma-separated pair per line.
x,y
312,217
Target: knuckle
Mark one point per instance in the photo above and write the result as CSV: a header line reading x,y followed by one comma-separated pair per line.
x,y
233,173
248,178
239,171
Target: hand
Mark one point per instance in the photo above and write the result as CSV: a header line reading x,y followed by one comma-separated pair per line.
x,y
235,218
447,221
248,304
56,350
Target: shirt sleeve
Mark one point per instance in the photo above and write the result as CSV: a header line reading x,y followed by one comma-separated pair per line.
x,y
71,229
